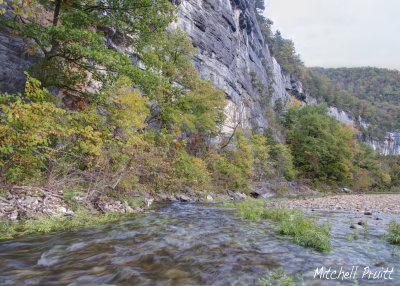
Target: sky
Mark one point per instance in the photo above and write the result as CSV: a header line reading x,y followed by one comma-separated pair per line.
x,y
340,33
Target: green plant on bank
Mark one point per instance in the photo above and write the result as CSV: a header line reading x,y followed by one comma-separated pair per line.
x,y
303,230
48,224
394,233
278,278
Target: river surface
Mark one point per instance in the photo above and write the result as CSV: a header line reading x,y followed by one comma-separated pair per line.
x,y
193,244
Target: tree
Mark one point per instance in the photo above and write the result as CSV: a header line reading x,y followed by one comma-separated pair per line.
x,y
182,99
71,37
323,149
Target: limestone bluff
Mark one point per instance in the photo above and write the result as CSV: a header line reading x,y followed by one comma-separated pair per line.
x,y
231,48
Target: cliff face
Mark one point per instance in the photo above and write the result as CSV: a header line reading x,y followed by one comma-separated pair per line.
x,y
13,62
233,56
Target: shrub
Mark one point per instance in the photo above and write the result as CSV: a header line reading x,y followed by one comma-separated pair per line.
x,y
283,161
262,166
194,170
232,168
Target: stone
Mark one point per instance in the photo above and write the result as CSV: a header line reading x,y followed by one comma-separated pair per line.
x,y
367,213
69,213
61,210
255,194
127,208
346,190
210,198
232,194
182,198
241,195
14,215
148,202
175,273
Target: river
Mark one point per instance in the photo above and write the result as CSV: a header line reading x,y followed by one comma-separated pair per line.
x,y
192,244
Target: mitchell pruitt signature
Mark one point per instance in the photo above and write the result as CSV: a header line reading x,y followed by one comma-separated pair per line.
x,y
354,273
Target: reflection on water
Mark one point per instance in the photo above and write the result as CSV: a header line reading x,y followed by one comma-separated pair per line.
x,y
188,244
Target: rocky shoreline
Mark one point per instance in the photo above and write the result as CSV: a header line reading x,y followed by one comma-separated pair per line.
x,y
21,202
365,203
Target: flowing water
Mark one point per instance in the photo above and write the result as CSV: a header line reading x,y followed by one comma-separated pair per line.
x,y
192,244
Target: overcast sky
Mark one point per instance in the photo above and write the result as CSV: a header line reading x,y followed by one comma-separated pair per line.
x,y
337,33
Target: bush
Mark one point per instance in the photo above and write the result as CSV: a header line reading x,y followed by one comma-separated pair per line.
x,y
232,168
194,170
262,165
283,161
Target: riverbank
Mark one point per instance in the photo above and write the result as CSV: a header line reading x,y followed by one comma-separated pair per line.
x,y
28,210
19,202
366,203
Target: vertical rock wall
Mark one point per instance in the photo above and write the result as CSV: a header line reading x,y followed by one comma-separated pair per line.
x,y
232,54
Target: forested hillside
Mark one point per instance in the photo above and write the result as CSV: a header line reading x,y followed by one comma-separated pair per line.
x,y
372,93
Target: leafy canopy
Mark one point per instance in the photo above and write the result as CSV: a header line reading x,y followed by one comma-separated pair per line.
x,y
74,40
323,148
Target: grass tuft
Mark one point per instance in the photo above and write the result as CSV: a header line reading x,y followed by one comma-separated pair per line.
x,y
304,230
48,224
394,233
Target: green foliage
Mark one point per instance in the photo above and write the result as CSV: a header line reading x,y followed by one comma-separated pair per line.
x,y
353,236
48,224
278,278
369,93
70,37
323,149
303,230
232,169
394,233
283,161
285,54
182,99
195,171
261,163
37,136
